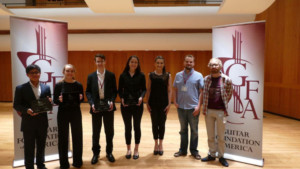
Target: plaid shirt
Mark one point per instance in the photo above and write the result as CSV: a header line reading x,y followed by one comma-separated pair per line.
x,y
226,91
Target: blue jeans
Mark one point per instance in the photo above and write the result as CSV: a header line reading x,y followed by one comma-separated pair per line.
x,y
186,118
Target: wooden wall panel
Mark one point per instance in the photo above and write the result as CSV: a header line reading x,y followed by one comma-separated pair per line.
x,y
116,61
282,58
5,77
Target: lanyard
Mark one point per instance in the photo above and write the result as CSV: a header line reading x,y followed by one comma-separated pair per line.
x,y
184,80
99,82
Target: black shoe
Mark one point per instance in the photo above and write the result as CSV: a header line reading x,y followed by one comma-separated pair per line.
x,y
160,153
65,166
42,167
94,159
61,167
76,165
223,162
155,152
196,156
110,158
128,156
208,158
179,153
135,157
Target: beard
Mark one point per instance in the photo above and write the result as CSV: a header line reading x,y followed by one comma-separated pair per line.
x,y
188,68
214,71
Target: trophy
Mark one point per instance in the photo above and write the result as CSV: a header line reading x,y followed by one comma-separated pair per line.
x,y
102,105
71,98
41,105
130,100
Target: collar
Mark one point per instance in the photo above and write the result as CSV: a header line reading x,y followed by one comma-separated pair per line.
x,y
33,85
210,76
101,74
192,70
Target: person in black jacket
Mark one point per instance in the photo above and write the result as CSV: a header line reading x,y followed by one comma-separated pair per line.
x,y
34,125
132,89
101,92
68,94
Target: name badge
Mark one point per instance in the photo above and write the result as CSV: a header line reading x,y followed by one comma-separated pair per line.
x,y
184,88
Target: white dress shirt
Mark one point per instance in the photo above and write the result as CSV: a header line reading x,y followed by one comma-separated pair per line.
x,y
101,83
36,90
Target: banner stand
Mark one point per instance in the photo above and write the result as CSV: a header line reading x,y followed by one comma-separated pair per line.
x,y
42,42
244,159
240,47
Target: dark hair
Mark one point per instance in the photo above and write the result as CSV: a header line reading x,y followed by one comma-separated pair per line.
x,y
160,57
99,55
137,70
31,67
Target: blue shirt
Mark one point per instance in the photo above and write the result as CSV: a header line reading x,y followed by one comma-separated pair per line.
x,y
188,93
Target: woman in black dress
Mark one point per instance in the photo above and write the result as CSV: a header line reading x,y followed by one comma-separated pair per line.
x,y
132,89
159,101
68,94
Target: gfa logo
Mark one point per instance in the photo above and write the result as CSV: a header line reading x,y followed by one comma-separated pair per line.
x,y
41,53
240,105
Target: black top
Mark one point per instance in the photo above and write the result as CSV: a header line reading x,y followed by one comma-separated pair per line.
x,y
159,90
214,94
63,88
135,85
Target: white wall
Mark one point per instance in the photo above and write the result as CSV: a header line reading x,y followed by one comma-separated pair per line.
x,y
144,18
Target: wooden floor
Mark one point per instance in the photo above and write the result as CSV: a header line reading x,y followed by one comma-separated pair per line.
x,y
281,144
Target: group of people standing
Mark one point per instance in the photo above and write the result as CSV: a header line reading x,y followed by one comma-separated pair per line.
x,y
190,91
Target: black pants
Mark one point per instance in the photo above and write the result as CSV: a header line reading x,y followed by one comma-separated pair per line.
x,y
64,118
108,120
31,138
158,118
135,112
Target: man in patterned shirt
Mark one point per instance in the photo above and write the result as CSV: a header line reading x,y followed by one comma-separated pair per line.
x,y
215,97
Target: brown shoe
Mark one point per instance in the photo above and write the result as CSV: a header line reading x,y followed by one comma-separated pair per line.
x,y
196,156
179,153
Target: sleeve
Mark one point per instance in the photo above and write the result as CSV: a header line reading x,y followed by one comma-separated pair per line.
x,y
114,88
57,93
121,86
18,101
88,91
48,92
143,85
81,91
201,82
229,89
174,83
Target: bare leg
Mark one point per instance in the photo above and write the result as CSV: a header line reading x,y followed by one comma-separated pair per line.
x,y
160,147
156,148
136,149
128,149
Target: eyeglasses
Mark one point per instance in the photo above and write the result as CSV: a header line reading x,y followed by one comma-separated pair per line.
x,y
213,65
34,73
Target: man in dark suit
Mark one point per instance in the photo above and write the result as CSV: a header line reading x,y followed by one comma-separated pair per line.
x,y
101,86
34,125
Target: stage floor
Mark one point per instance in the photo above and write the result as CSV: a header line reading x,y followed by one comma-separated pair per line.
x,y
281,144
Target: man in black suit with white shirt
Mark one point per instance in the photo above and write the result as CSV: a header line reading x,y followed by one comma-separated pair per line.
x,y
101,86
34,125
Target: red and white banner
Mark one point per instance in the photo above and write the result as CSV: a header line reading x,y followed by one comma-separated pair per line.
x,y
241,49
41,42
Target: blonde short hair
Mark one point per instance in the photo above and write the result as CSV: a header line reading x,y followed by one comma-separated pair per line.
x,y
215,59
